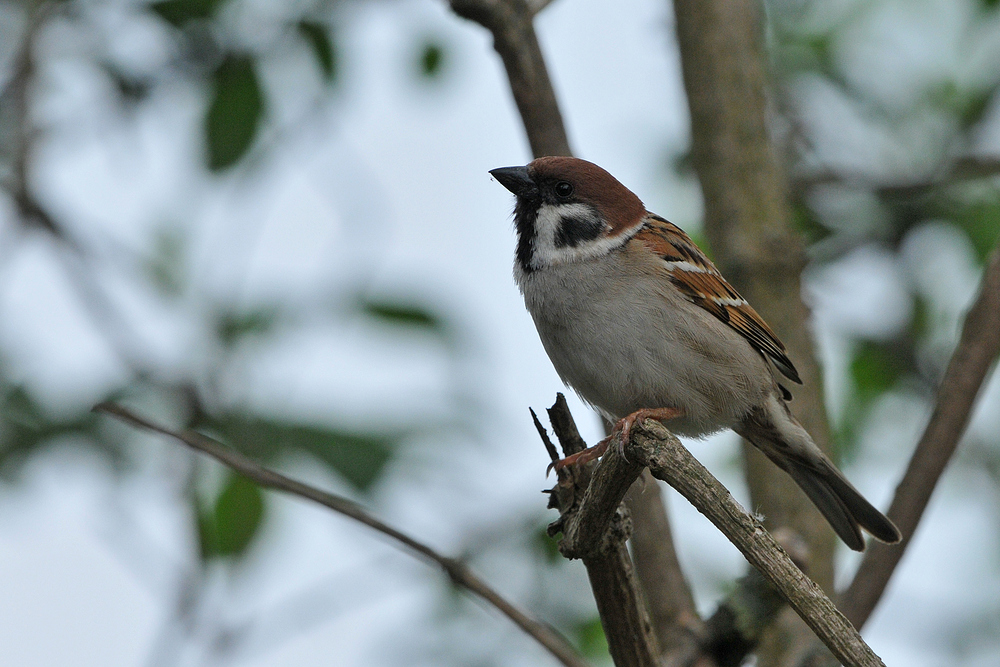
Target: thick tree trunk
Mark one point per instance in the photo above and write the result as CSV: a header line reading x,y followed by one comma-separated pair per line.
x,y
747,222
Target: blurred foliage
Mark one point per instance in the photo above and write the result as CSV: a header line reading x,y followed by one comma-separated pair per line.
x,y
319,38
979,218
358,457
165,268
963,189
590,639
231,327
876,367
432,58
229,526
235,112
403,314
805,221
26,427
180,12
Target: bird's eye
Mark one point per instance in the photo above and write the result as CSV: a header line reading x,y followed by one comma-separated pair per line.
x,y
564,189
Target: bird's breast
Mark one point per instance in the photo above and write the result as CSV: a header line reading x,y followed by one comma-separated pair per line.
x,y
625,339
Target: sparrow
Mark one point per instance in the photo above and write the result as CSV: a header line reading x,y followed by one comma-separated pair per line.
x,y
641,324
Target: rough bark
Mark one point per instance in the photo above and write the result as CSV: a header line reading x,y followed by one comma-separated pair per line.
x,y
747,225
590,524
668,597
597,536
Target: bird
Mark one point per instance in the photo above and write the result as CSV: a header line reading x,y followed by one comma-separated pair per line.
x,y
641,324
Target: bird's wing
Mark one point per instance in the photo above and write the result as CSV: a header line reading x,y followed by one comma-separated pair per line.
x,y
696,277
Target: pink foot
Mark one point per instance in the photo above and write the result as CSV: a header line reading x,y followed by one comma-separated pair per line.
x,y
624,425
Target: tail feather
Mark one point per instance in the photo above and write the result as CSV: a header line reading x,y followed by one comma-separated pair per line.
x,y
774,431
842,505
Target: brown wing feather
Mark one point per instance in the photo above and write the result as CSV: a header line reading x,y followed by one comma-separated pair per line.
x,y
698,279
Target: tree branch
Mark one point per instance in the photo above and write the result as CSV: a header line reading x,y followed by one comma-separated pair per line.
x,y
653,446
675,619
456,570
976,351
747,222
738,624
623,615
510,23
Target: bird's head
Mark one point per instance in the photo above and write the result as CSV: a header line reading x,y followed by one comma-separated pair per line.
x,y
568,210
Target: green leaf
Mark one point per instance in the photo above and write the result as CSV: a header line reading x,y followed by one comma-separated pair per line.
x,y
238,515
808,224
231,327
590,638
402,314
179,12
235,112
319,38
547,545
981,222
25,427
432,58
359,457
208,539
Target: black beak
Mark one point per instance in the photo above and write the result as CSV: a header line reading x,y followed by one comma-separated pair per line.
x,y
516,180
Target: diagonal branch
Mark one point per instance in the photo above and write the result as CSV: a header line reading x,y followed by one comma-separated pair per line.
x,y
654,446
456,570
976,351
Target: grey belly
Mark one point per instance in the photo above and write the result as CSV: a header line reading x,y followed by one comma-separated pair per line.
x,y
624,354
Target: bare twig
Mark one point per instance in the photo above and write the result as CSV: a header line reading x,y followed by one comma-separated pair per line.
x,y
510,23
962,169
456,570
653,446
976,351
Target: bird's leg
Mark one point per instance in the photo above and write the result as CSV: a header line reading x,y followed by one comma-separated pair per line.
x,y
582,456
624,425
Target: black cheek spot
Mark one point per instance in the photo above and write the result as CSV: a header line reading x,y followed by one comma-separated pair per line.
x,y
574,231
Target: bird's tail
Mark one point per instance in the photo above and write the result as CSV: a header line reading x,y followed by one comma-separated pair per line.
x,y
775,432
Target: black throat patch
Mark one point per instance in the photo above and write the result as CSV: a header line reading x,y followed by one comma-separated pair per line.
x,y
525,217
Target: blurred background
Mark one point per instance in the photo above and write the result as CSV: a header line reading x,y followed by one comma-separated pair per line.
x,y
273,221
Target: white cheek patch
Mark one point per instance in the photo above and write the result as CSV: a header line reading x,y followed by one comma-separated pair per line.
x,y
547,252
